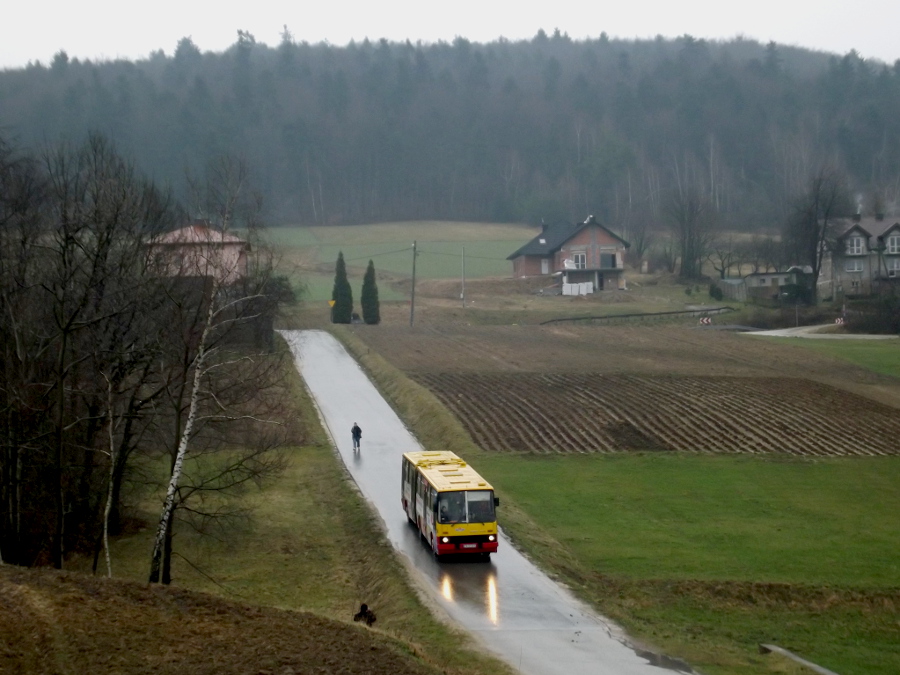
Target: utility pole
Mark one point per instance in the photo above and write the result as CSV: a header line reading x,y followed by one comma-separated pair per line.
x,y
462,295
412,300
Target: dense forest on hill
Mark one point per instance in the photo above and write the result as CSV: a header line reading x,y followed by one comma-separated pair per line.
x,y
506,131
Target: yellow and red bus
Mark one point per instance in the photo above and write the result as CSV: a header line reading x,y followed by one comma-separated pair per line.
x,y
450,504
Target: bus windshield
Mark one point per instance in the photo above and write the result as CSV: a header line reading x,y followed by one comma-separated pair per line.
x,y
469,506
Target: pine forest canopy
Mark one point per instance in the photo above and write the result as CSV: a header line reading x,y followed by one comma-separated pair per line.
x,y
506,131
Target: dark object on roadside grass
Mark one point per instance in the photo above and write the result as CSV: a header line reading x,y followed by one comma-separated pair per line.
x,y
365,614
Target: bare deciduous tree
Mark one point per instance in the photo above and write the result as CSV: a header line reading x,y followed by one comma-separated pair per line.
x,y
222,421
809,229
71,267
724,253
691,215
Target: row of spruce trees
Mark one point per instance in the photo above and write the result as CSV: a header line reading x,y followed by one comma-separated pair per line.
x,y
342,295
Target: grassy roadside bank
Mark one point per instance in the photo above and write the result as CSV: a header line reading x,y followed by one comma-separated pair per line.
x,y
708,556
715,614
310,544
880,356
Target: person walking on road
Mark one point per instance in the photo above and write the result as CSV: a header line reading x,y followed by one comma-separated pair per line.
x,y
356,432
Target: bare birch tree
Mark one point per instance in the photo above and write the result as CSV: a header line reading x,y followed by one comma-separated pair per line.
x,y
221,414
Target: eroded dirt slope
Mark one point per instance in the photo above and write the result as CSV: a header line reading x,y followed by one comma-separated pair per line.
x,y
54,622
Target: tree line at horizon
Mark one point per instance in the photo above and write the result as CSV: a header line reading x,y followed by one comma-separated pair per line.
x,y
506,131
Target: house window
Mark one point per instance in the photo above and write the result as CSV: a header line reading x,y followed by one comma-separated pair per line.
x,y
854,266
763,281
855,245
893,265
893,244
580,260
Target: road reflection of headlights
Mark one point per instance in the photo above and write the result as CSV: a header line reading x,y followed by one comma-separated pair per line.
x,y
493,609
447,587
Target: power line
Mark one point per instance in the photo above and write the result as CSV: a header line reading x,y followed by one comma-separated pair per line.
x,y
375,255
421,252
456,255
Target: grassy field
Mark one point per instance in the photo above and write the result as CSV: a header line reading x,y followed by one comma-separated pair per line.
x,y
709,556
704,557
309,253
880,356
713,518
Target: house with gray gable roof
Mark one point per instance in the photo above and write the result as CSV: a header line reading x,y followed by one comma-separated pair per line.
x,y
866,256
587,252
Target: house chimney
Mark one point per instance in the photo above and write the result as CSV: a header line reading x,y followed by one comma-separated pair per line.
x,y
879,216
857,217
543,226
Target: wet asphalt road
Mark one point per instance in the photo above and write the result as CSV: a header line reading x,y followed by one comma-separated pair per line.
x,y
516,611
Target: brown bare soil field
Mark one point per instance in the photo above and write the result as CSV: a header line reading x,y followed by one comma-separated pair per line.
x,y
52,622
569,388
605,413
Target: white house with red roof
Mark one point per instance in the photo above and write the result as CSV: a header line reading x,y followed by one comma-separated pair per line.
x,y
201,250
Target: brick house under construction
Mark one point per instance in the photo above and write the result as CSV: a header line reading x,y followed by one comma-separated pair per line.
x,y
585,252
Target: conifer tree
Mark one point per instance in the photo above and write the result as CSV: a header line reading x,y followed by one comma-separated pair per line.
x,y
369,297
341,293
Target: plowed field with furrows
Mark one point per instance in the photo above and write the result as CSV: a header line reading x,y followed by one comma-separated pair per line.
x,y
605,413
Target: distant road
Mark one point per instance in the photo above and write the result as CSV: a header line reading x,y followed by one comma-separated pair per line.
x,y
517,612
814,332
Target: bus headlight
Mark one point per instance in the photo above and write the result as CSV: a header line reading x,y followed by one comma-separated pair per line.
x,y
445,539
491,537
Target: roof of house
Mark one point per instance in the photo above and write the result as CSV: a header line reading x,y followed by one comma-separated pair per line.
x,y
872,226
554,235
792,270
198,232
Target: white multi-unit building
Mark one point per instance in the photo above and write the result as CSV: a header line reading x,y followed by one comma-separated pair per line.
x,y
866,257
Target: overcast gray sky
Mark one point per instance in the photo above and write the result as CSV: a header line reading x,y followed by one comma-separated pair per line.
x,y
34,30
